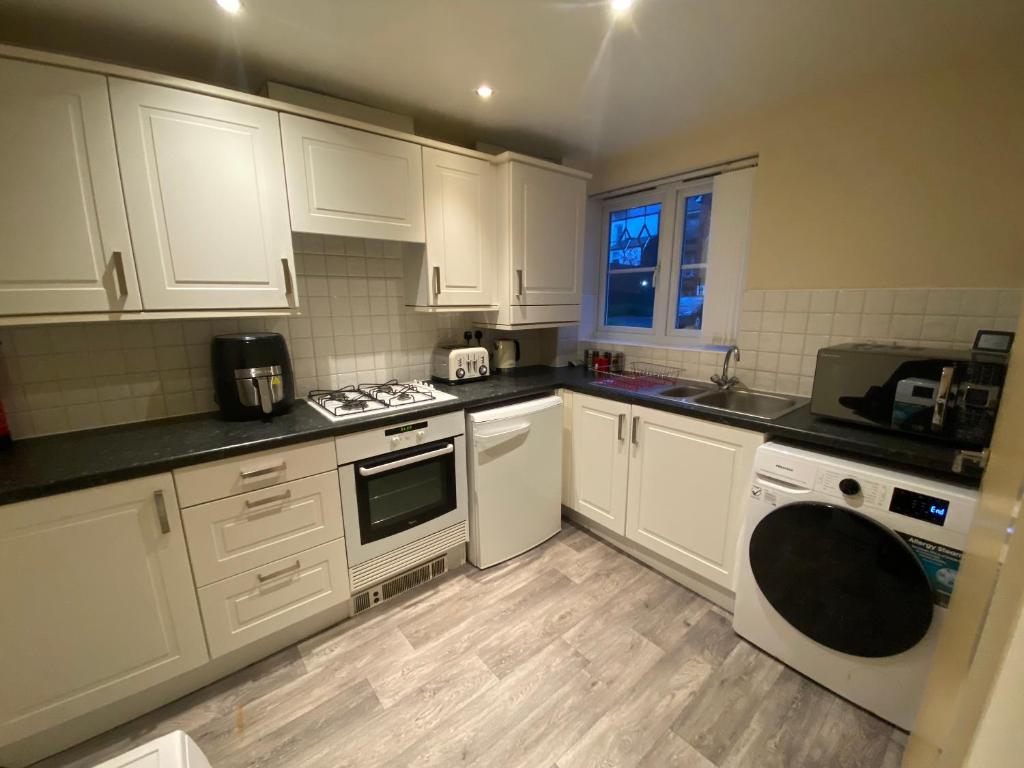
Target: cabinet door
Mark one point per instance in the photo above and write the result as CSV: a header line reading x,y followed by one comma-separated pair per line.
x,y
547,212
460,221
687,483
347,182
204,185
600,446
63,230
97,599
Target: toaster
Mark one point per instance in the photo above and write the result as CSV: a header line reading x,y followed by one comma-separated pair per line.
x,y
454,364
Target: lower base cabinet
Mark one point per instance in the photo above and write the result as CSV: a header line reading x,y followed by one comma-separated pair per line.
x,y
255,604
97,600
674,485
687,487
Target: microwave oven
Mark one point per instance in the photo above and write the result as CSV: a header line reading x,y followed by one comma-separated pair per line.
x,y
948,395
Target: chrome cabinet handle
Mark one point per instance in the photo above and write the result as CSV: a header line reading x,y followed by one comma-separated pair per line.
x,y
622,425
161,512
120,281
289,284
290,569
942,398
635,433
250,503
519,282
248,475
437,281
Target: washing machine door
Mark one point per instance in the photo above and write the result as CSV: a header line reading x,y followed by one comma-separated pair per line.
x,y
841,578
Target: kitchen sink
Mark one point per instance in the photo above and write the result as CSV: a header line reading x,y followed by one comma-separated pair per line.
x,y
683,390
760,405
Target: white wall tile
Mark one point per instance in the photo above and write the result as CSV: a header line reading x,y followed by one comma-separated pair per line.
x,y
848,301
151,369
910,301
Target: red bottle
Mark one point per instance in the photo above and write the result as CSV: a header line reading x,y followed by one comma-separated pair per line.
x,y
5,431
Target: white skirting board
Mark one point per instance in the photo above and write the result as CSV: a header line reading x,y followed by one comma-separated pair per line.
x,y
716,594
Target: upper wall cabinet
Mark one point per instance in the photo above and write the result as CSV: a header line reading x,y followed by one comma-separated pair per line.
x,y
63,231
347,182
204,186
541,209
456,268
546,235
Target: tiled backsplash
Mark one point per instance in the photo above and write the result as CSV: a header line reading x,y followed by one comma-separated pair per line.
x,y
353,327
782,331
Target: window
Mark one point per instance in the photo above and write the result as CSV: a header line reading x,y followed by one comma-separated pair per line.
x,y
669,274
632,261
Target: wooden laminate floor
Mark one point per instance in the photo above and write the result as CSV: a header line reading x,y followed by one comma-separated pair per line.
x,y
571,655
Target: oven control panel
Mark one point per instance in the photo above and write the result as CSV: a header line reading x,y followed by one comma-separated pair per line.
x,y
408,434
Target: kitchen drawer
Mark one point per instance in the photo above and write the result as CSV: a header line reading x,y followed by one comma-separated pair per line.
x,y
230,477
257,603
239,533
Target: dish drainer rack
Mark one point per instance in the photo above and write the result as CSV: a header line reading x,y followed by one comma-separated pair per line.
x,y
638,376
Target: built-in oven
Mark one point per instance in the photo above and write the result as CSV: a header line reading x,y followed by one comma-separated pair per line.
x,y
402,484
404,489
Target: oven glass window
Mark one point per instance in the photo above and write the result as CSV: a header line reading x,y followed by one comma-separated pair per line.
x,y
404,489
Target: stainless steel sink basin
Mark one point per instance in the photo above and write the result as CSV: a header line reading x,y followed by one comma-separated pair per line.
x,y
760,405
683,390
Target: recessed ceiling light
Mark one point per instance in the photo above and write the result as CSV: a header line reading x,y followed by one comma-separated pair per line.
x,y
485,91
621,6
231,6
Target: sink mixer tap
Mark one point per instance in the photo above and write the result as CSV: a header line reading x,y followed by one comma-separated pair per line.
x,y
725,381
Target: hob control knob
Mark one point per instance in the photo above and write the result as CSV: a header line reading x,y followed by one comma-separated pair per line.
x,y
849,486
482,370
460,373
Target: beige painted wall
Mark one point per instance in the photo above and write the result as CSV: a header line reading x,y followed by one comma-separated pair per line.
x,y
887,183
968,696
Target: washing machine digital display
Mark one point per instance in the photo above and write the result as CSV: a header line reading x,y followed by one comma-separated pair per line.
x,y
918,506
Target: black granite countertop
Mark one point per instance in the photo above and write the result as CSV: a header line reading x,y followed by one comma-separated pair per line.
x,y
57,463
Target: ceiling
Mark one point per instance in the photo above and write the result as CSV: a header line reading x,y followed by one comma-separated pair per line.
x,y
569,77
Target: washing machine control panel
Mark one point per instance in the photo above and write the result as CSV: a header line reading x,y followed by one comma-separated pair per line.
x,y
931,509
854,491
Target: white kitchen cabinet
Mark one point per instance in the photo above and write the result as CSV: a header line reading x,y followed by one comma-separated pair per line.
x,y
63,227
688,480
343,181
546,210
242,609
600,447
456,267
568,465
204,186
541,212
97,600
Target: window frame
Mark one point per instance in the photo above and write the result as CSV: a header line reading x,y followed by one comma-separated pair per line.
x,y
649,197
662,331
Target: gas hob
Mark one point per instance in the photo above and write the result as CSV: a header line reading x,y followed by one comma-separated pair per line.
x,y
359,399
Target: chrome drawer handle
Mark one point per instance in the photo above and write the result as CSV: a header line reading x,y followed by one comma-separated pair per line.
x,y
284,571
248,475
250,503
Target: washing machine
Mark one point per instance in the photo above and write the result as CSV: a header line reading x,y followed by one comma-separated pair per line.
x,y
846,570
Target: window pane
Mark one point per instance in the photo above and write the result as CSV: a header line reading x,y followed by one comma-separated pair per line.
x,y
696,225
630,300
633,237
690,305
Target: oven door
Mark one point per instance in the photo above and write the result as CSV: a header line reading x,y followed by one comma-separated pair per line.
x,y
397,498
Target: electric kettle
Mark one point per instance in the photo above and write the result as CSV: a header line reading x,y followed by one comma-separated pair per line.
x,y
506,354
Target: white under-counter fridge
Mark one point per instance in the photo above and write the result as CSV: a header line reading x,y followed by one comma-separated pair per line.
x,y
515,478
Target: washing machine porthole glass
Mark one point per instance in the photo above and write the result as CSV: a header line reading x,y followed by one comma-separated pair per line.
x,y
841,579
